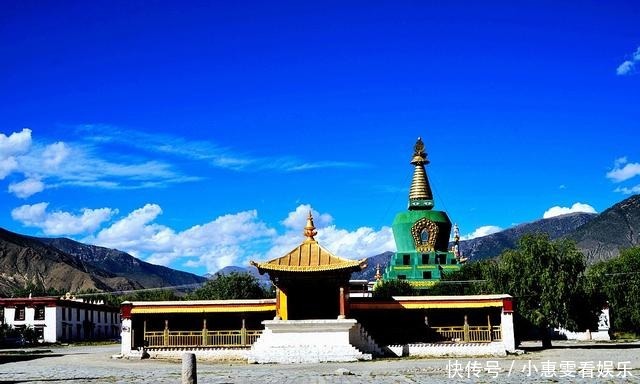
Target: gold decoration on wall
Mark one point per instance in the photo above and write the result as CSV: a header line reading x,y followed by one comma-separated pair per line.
x,y
425,234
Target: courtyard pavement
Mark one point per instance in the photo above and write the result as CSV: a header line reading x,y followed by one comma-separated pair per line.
x,y
566,362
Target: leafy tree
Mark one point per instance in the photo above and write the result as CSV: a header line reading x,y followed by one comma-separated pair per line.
x,y
470,279
546,280
388,288
617,281
231,286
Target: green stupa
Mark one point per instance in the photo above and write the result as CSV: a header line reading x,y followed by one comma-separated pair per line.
x,y
422,233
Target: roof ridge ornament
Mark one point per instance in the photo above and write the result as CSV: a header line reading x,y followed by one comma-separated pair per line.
x,y
420,195
310,229
419,155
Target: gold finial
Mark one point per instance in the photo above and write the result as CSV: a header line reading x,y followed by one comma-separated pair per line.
x,y
310,229
419,155
378,276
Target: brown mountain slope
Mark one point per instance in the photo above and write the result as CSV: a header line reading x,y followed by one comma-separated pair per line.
x,y
25,261
616,228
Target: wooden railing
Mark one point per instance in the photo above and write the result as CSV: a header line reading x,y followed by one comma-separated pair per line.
x,y
469,333
205,338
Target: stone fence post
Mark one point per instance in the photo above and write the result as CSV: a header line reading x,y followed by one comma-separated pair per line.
x,y
189,371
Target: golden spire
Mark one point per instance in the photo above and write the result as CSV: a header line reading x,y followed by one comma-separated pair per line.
x,y
420,195
310,229
378,275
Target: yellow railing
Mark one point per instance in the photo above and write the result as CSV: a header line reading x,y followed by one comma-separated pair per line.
x,y
204,338
469,333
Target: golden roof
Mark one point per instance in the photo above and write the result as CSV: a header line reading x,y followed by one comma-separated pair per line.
x,y
309,257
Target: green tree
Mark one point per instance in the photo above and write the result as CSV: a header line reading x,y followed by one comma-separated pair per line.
x,y
470,279
231,286
545,277
617,282
389,288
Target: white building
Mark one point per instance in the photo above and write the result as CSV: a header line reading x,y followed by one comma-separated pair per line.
x,y
61,319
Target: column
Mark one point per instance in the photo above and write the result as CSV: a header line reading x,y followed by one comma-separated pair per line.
x,y
508,336
342,304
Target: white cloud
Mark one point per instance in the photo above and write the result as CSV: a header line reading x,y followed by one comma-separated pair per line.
x,y
59,222
625,68
228,240
55,154
78,164
232,239
15,144
623,170
629,191
7,166
26,187
11,146
577,207
628,66
360,243
297,219
212,153
482,231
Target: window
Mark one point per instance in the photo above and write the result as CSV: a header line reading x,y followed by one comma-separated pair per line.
x,y
425,258
402,277
19,316
77,314
406,259
441,259
39,332
426,275
424,236
70,314
39,313
64,314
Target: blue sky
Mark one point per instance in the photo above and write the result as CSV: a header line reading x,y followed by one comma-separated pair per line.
x,y
199,134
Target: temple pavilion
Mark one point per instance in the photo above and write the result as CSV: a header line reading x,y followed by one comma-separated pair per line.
x,y
311,282
422,234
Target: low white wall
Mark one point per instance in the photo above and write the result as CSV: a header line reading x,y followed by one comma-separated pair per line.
x,y
219,354
449,349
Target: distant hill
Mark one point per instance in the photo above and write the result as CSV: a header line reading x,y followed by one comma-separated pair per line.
x,y
123,264
616,228
489,246
25,260
67,265
253,271
369,273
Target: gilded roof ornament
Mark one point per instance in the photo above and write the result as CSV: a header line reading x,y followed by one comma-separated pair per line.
x,y
419,155
310,257
420,195
310,229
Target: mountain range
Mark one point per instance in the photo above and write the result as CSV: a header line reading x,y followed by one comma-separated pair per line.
x,y
68,265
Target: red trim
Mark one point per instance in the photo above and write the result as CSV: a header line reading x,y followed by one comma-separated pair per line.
x,y
507,305
125,311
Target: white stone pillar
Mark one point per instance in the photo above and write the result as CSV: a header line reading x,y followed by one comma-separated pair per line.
x,y
508,335
126,337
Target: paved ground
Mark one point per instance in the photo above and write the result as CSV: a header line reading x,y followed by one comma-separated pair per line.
x,y
565,363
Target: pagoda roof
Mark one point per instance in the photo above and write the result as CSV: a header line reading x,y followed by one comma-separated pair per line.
x,y
309,257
